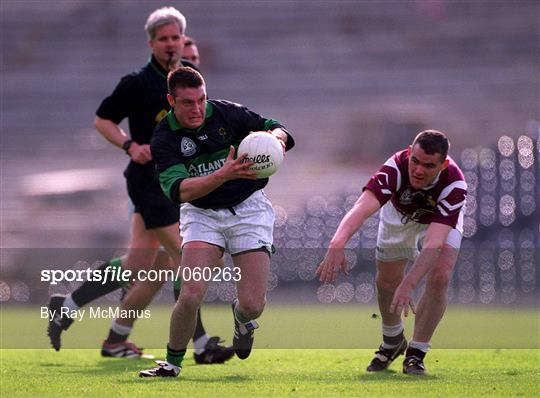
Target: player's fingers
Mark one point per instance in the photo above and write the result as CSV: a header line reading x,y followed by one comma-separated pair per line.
x,y
321,275
242,157
413,309
148,153
246,165
324,274
393,306
230,156
334,273
344,267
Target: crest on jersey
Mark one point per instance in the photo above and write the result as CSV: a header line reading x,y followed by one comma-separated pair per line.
x,y
406,197
223,134
187,146
417,198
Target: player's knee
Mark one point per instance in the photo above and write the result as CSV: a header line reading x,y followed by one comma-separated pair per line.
x,y
162,261
438,280
387,285
253,308
191,296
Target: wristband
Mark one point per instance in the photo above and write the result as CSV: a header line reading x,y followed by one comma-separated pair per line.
x,y
126,145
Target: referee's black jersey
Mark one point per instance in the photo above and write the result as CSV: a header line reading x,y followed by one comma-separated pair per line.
x,y
181,153
142,98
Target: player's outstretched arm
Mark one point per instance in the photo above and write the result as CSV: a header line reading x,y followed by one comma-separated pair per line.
x,y
334,260
436,235
196,187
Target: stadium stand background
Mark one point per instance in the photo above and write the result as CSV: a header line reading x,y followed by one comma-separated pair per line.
x,y
353,82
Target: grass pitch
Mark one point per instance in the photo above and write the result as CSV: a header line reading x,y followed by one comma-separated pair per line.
x,y
477,352
458,373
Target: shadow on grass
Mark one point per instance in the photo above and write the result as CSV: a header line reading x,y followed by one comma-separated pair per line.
x,y
107,367
392,375
230,379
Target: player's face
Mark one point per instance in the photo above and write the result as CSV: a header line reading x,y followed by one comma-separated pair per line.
x,y
168,44
189,106
424,168
191,53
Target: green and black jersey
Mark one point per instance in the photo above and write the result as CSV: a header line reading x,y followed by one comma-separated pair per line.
x,y
181,153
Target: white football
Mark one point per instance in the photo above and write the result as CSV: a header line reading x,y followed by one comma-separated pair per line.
x,y
264,150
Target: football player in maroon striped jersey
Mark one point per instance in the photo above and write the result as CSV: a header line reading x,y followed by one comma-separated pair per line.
x,y
421,193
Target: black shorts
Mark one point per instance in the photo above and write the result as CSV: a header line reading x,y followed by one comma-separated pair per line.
x,y
148,199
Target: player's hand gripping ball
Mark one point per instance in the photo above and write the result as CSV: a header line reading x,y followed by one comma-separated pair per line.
x,y
264,150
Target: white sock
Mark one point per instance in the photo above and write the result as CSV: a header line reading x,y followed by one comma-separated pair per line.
x,y
424,347
122,330
70,304
200,343
392,330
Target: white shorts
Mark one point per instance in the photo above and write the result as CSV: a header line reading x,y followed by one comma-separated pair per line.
x,y
250,228
396,241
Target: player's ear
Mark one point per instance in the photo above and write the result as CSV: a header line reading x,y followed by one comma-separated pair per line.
x,y
409,150
445,164
170,100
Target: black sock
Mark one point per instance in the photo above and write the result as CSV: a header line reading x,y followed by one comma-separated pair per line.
x,y
415,352
114,337
393,340
199,328
91,290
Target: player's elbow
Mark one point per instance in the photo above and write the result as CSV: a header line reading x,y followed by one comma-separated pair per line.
x,y
101,124
184,195
97,123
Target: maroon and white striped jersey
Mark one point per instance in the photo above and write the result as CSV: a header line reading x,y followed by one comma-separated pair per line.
x,y
439,202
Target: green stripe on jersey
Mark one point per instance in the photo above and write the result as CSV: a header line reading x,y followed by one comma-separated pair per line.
x,y
170,176
269,123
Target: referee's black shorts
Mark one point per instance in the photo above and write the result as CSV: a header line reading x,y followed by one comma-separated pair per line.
x,y
149,200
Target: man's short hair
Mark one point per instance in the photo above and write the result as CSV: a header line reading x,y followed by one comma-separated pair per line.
x,y
433,141
184,77
164,16
189,41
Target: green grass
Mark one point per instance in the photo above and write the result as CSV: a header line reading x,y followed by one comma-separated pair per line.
x,y
463,373
305,326
478,351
